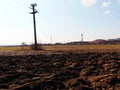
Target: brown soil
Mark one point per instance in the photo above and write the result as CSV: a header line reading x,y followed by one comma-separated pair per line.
x,y
60,71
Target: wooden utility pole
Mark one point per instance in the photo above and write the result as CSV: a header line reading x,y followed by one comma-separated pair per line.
x,y
34,22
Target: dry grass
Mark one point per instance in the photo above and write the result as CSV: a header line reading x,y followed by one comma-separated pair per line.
x,y
97,48
14,48
82,47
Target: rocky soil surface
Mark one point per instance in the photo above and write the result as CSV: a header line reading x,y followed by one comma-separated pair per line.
x,y
60,71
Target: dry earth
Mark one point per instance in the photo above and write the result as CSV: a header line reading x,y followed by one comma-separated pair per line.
x,y
59,71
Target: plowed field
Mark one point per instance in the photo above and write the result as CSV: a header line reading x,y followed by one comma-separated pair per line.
x,y
60,71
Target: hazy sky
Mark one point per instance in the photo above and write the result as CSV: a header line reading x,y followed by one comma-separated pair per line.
x,y
64,20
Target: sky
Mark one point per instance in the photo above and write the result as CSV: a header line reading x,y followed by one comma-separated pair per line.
x,y
58,20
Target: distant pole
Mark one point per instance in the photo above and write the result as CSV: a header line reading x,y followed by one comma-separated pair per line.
x,y
51,39
34,22
81,37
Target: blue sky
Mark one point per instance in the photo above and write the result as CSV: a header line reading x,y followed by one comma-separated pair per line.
x,y
64,20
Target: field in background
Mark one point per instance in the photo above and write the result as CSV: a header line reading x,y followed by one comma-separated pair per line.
x,y
82,47
65,48
14,48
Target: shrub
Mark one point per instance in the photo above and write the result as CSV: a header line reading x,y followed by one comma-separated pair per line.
x,y
39,47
